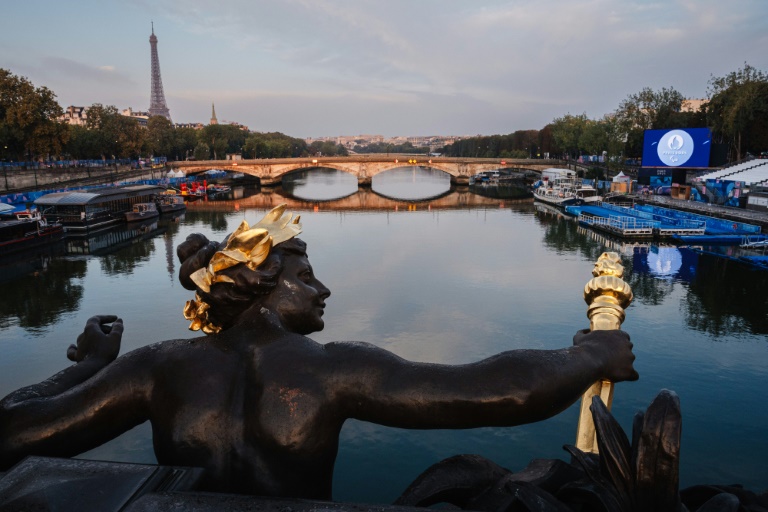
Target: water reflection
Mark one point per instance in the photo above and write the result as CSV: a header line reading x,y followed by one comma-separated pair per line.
x,y
723,298
41,292
411,183
452,280
319,184
403,183
726,298
364,199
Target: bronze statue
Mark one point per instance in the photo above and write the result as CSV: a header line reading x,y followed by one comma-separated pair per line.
x,y
260,405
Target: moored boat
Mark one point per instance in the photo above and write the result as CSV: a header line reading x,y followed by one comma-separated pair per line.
x,y
214,190
566,191
93,209
26,230
169,203
142,211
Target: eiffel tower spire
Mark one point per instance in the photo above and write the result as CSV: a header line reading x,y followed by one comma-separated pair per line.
x,y
157,105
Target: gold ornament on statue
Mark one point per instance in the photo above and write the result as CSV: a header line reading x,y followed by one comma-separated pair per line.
x,y
247,245
607,296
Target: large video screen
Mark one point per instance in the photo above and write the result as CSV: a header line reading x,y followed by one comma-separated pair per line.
x,y
684,147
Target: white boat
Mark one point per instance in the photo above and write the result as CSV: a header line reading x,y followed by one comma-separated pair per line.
x,y
566,191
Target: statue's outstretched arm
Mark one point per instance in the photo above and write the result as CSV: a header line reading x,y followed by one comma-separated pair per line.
x,y
97,346
80,407
511,388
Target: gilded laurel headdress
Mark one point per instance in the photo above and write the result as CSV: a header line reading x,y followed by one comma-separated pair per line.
x,y
248,246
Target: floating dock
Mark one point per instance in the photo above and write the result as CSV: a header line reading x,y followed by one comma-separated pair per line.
x,y
648,221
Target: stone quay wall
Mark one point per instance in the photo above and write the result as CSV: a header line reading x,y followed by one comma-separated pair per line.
x,y
24,180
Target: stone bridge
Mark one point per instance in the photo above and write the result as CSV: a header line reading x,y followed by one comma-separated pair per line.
x,y
364,167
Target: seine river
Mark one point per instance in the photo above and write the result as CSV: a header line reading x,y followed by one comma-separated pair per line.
x,y
452,279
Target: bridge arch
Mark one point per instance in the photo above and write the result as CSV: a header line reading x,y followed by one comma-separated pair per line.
x,y
364,168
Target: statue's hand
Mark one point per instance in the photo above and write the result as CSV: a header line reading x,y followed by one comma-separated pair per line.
x,y
99,341
613,351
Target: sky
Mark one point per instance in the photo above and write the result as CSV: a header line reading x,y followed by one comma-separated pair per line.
x,y
315,68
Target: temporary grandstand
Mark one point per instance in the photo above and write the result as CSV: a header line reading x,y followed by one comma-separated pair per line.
x,y
751,172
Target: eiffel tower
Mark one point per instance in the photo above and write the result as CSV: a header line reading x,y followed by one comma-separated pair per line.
x,y
157,105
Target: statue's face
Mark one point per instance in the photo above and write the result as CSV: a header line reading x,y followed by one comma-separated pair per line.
x,y
299,298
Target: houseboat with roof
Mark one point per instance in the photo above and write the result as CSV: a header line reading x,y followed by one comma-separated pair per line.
x,y
24,230
86,210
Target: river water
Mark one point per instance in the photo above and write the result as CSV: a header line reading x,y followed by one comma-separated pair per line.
x,y
449,280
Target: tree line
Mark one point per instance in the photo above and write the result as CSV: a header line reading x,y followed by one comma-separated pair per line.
x,y
31,129
736,111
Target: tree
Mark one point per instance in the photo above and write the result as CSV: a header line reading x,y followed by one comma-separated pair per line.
x,y
83,143
649,109
274,145
29,119
222,139
547,141
161,136
566,132
594,138
114,134
202,151
737,110
184,142
130,137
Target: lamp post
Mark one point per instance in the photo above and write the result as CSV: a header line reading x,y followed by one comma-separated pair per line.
x,y
5,170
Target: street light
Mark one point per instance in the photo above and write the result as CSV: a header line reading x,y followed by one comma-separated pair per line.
x,y
5,170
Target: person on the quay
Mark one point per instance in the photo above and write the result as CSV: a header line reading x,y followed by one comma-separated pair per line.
x,y
257,403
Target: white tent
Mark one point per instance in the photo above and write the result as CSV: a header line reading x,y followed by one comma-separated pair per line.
x,y
621,177
6,208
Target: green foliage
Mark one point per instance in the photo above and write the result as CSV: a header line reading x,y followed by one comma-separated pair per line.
x,y
567,131
273,145
737,113
519,144
184,142
384,147
649,109
107,134
202,151
29,124
737,110
223,139
326,148
161,137
83,143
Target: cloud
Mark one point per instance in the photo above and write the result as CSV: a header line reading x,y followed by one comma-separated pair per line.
x,y
399,67
104,75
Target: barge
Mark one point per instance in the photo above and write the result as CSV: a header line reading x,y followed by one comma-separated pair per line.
x,y
86,210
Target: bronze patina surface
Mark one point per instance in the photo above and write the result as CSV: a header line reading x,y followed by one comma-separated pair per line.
x,y
258,404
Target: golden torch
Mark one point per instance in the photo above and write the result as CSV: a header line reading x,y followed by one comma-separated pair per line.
x,y
607,296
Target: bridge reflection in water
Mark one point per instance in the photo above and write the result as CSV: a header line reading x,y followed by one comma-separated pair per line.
x,y
329,190
363,199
